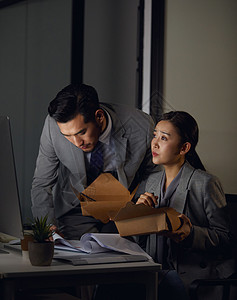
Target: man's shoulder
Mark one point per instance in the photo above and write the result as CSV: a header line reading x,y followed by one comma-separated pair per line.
x,y
125,112
50,129
49,120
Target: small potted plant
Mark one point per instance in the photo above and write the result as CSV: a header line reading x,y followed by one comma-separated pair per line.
x,y
41,249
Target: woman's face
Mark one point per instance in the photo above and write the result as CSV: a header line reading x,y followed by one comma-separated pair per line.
x,y
165,145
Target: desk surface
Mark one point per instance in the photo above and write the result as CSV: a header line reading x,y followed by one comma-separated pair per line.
x,y
13,265
17,273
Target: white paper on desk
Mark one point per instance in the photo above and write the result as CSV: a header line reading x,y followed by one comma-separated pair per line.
x,y
62,244
87,245
114,242
100,242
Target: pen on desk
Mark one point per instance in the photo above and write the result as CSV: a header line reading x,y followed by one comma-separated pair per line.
x,y
91,199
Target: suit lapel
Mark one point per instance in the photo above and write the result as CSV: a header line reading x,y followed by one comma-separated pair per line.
x,y
182,189
157,190
120,146
78,167
180,202
154,184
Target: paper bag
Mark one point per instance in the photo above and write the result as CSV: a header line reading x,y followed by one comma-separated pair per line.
x,y
104,197
141,219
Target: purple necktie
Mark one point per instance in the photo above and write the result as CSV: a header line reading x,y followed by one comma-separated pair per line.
x,y
96,164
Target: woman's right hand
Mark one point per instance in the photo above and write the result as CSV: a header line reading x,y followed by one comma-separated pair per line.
x,y
147,199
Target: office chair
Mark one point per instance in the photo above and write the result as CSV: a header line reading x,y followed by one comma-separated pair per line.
x,y
226,285
230,282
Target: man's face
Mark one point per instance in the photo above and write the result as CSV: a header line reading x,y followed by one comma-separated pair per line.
x,y
83,135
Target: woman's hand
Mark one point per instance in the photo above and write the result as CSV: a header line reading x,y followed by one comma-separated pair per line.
x,y
183,232
147,199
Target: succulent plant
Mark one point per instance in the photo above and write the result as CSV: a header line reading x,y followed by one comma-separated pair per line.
x,y
41,229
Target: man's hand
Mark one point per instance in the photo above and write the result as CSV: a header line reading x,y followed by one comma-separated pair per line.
x,y
147,199
53,228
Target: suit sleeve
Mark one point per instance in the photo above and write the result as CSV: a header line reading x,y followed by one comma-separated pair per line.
x,y
45,176
211,231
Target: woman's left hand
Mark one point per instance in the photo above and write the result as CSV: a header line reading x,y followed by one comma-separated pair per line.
x,y
183,232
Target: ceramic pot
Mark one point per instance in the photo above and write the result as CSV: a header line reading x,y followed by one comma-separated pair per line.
x,y
24,245
41,254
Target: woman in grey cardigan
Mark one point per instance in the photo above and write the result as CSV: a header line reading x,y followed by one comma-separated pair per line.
x,y
198,249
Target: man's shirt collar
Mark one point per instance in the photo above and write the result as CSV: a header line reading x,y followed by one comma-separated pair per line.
x,y
105,136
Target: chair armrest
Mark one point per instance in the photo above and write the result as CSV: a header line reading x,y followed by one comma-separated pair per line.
x,y
226,283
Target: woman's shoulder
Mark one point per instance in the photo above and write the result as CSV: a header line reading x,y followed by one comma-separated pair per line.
x,y
204,175
208,186
154,178
203,179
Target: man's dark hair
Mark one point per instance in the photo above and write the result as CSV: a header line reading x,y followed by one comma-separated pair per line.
x,y
74,99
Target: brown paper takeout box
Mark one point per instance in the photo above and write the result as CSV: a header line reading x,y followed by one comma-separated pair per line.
x,y
104,197
141,219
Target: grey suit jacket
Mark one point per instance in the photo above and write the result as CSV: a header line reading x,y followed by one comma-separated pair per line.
x,y
200,197
61,164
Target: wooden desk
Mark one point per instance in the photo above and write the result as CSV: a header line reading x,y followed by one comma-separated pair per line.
x,y
17,273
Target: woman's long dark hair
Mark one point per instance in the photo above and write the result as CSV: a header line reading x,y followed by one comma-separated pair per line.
x,y
188,131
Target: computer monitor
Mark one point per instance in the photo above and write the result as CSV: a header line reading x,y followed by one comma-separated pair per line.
x,y
10,210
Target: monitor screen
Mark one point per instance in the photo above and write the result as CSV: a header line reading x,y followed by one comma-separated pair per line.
x,y
10,211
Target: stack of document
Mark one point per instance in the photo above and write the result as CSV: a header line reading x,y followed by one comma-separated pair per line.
x,y
95,248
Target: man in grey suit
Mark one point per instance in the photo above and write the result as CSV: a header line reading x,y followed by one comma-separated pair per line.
x,y
82,138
